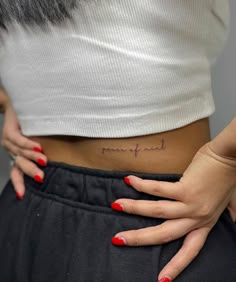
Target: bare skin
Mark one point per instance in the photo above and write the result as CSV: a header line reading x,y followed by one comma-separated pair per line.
x,y
166,152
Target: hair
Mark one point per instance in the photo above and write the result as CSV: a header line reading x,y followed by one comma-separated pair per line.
x,y
35,12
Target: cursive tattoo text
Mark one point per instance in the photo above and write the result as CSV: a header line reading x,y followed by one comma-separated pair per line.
x,y
136,149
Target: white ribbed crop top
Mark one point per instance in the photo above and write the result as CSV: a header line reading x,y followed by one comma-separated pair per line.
x,y
123,68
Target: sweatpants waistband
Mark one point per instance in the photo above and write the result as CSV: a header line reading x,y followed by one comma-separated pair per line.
x,y
91,186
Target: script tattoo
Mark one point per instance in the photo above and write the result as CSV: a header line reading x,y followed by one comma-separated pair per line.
x,y
136,149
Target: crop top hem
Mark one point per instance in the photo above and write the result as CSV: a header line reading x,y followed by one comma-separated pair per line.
x,y
107,128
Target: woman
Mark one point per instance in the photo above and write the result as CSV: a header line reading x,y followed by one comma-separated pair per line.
x,y
114,90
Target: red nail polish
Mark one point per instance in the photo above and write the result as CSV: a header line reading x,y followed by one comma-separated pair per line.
x,y
37,149
127,181
41,162
117,241
116,206
19,196
38,179
165,279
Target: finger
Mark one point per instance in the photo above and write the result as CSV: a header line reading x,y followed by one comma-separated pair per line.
x,y
155,235
157,188
11,148
40,158
34,156
19,140
29,168
17,179
157,209
192,245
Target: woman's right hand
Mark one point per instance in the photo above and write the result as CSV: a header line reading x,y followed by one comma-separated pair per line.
x,y
27,151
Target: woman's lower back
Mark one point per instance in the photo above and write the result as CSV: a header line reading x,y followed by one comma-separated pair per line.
x,y
165,152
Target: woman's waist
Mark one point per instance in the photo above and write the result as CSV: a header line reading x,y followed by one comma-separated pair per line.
x,y
165,152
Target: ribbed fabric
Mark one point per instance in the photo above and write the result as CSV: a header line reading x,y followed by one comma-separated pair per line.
x,y
122,69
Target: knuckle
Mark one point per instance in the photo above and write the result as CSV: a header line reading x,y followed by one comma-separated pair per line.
x,y
136,240
185,197
158,211
204,212
132,208
18,162
140,186
20,152
182,192
156,189
167,238
23,142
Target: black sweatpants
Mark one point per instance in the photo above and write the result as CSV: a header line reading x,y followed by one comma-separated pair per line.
x,y
61,232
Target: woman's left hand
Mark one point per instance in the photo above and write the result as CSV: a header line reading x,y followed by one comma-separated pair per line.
x,y
201,195
27,152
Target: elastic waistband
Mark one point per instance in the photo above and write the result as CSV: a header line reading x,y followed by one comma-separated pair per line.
x,y
89,186
108,173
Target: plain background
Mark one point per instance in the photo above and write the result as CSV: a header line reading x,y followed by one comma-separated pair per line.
x,y
223,84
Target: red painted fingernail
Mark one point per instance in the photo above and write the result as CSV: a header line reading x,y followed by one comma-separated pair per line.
x,y
41,162
117,241
116,206
19,196
165,279
38,179
127,181
38,149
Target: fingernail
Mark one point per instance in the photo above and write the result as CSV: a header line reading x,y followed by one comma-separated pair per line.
x,y
19,196
127,181
118,241
38,149
116,206
165,279
38,179
41,162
